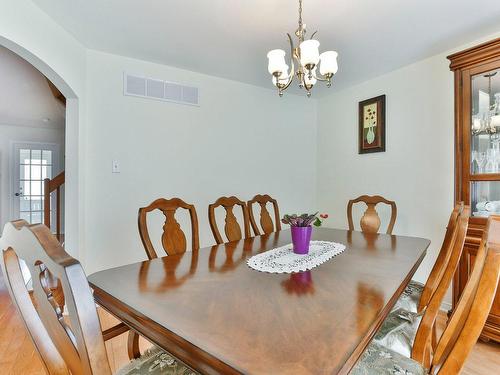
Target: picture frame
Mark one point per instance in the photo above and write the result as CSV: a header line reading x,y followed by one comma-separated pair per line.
x,y
372,125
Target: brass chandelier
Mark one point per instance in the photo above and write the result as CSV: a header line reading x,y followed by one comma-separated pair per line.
x,y
489,121
307,58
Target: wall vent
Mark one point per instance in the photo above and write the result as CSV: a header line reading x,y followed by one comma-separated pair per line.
x,y
151,88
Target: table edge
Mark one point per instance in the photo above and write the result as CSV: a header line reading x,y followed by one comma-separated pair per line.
x,y
176,345
358,351
198,358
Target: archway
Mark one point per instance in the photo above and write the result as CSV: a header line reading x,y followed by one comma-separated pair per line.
x,y
73,201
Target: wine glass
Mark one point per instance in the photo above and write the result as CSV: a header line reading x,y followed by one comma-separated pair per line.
x,y
481,160
474,162
490,165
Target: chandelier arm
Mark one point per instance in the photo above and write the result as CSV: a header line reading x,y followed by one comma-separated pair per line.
x,y
323,78
290,79
313,34
320,77
291,48
292,66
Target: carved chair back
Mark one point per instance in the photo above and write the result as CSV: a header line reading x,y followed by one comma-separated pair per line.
x,y
67,345
443,257
231,227
469,317
421,350
266,222
370,221
173,238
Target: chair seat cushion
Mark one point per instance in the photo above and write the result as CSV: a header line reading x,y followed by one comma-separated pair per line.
x,y
410,298
398,331
155,361
377,360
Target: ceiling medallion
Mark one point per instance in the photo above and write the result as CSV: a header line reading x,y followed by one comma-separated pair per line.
x,y
307,58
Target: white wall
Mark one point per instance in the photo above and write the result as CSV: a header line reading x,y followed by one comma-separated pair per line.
x,y
168,150
17,133
33,35
240,141
416,171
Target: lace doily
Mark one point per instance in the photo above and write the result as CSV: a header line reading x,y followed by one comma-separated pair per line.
x,y
284,260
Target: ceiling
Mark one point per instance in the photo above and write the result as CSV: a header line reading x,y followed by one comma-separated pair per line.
x,y
25,95
230,39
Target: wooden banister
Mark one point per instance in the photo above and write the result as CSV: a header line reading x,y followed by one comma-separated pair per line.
x,y
51,185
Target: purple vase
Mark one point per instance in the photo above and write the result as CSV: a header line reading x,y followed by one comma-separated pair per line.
x,y
301,237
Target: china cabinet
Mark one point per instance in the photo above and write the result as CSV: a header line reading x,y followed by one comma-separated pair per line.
x,y
477,154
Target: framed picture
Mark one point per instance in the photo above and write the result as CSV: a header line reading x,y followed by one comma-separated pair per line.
x,y
372,125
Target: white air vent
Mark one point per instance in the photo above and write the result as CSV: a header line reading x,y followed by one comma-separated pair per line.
x,y
135,85
155,89
160,90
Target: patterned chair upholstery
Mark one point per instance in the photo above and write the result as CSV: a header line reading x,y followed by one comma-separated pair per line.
x,y
410,298
155,362
400,327
378,360
398,331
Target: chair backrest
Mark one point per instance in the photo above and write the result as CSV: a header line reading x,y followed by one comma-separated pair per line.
x,y
72,344
443,257
173,238
421,350
266,222
370,221
471,312
231,228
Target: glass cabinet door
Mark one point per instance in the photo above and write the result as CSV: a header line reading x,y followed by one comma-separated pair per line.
x,y
485,143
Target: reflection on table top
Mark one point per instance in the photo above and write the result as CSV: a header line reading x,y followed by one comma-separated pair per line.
x,y
214,312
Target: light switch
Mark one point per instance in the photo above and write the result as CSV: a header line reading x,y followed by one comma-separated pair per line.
x,y
115,167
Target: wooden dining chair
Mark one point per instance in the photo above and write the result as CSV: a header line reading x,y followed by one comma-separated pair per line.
x,y
417,295
370,221
231,228
173,239
401,327
266,222
67,344
462,330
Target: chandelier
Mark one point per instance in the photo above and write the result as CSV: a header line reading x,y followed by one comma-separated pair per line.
x,y
489,121
307,58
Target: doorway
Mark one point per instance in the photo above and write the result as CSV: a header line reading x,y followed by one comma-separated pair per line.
x,y
32,163
70,147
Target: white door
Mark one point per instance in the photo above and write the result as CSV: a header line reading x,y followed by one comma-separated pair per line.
x,y
32,163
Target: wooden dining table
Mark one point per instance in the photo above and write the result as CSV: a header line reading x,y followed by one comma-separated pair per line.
x,y
216,314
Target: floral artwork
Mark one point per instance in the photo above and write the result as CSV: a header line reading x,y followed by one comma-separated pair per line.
x,y
369,122
372,125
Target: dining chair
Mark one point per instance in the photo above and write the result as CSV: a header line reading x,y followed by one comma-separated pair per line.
x,y
401,328
173,239
72,343
266,222
463,329
231,227
370,221
416,295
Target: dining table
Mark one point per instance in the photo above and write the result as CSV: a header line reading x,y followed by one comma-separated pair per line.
x,y
213,312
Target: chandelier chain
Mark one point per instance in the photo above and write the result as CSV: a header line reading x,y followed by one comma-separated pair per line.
x,y
300,14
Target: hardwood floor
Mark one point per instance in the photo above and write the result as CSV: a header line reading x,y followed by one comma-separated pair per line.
x,y
18,356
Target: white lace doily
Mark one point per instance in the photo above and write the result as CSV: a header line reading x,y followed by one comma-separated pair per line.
x,y
284,260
